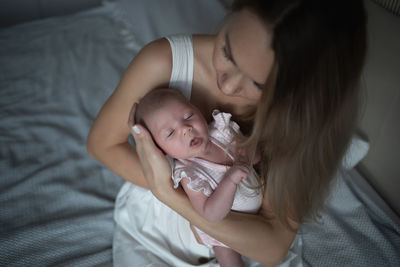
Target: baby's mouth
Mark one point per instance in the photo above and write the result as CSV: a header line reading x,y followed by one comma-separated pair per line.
x,y
195,142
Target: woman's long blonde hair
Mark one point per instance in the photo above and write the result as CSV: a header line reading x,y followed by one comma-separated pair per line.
x,y
308,108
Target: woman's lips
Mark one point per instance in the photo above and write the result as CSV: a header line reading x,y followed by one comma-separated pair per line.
x,y
196,142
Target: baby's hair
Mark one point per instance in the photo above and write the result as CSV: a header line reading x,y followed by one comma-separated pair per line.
x,y
153,101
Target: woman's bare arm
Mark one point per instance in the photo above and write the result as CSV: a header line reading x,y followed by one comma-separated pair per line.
x,y
264,240
108,139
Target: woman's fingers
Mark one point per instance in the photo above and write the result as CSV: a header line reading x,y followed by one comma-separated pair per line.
x,y
145,146
155,165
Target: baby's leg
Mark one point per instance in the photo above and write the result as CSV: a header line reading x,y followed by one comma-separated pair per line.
x,y
227,257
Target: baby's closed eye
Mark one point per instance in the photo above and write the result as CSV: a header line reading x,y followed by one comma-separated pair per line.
x,y
188,116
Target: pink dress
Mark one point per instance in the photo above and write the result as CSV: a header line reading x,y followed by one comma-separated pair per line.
x,y
205,175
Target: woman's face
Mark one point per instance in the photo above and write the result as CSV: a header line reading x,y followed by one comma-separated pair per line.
x,y
243,56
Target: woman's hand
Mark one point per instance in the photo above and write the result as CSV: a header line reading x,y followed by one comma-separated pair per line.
x,y
155,166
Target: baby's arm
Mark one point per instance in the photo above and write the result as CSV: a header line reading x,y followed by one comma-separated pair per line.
x,y
217,206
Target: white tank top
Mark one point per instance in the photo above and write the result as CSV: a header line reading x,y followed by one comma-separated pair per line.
x,y
182,63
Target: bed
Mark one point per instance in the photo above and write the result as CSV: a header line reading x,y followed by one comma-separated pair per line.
x,y
57,203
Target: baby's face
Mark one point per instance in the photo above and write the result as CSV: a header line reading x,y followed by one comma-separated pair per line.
x,y
178,128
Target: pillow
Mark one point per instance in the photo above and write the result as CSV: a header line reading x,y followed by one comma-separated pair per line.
x,y
356,151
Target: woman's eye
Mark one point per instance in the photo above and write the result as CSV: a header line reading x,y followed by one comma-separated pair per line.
x,y
226,54
259,86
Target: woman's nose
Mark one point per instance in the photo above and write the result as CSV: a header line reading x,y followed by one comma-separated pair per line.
x,y
231,83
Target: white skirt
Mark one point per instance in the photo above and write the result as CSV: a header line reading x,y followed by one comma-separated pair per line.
x,y
149,233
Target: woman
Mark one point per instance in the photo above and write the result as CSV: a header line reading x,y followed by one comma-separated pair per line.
x,y
286,70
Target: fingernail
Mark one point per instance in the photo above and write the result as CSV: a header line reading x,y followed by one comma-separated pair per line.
x,y
136,129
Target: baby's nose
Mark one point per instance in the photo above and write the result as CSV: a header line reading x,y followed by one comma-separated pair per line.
x,y
186,130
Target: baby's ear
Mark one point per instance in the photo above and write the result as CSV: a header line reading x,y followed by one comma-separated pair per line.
x,y
132,115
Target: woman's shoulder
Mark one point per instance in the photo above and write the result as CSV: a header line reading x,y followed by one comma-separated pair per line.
x,y
156,52
162,46
157,55
150,68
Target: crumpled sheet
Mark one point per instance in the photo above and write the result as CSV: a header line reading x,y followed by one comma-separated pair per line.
x,y
56,202
357,228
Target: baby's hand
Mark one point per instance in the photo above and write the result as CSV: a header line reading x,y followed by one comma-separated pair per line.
x,y
238,173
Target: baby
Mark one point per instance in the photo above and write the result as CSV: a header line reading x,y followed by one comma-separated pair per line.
x,y
205,165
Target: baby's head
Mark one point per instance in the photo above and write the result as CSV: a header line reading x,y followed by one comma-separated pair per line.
x,y
177,126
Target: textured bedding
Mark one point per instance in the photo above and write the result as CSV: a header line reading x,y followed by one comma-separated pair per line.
x,y
357,228
57,203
